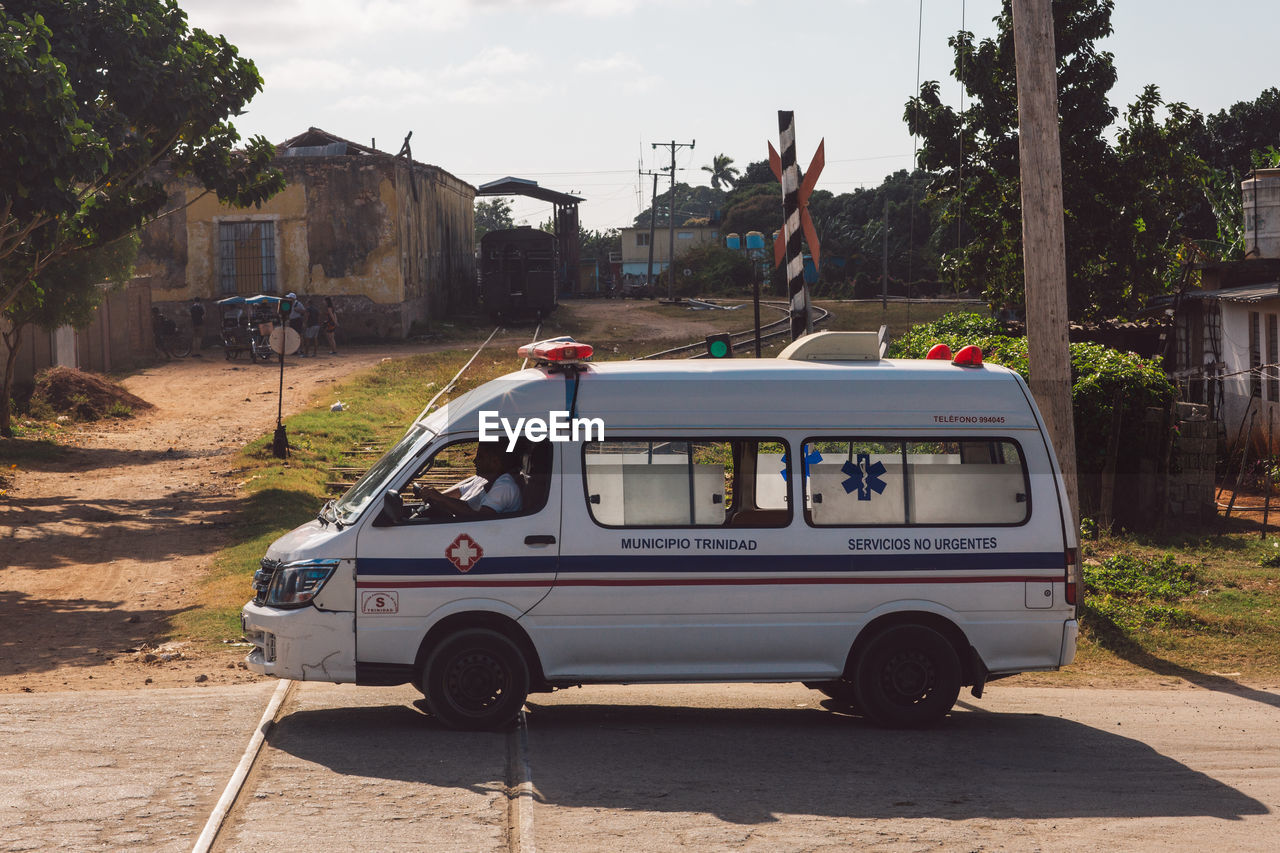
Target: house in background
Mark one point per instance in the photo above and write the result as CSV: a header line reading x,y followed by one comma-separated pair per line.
x,y
1227,345
389,238
635,248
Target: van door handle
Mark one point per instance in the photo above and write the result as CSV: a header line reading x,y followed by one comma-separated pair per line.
x,y
540,539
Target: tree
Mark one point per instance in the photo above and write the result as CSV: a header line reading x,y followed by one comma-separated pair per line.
x,y
974,155
851,226
691,203
757,172
492,215
95,96
1232,142
723,172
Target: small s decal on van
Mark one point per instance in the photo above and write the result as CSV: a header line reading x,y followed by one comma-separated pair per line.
x,y
379,601
464,552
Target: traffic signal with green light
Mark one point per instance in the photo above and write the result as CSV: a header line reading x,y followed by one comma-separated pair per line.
x,y
286,307
718,346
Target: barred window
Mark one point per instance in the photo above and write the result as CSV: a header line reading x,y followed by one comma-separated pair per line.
x,y
247,257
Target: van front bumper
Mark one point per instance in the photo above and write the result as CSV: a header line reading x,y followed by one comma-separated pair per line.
x,y
303,644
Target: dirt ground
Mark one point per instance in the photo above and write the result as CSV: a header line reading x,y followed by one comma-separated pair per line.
x,y
102,547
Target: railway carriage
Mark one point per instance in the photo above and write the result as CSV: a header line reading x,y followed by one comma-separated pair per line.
x,y
518,274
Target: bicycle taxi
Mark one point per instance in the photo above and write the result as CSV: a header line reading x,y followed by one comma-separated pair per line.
x,y
247,323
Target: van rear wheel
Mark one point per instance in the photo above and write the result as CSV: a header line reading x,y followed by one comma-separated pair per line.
x,y
477,680
908,676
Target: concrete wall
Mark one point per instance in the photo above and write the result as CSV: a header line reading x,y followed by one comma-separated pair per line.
x,y
119,338
1239,405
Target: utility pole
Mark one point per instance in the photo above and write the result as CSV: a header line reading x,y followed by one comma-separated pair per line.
x,y
884,259
1044,261
671,222
653,216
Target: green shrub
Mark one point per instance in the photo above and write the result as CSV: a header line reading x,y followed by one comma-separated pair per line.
x,y
1130,577
1098,375
1134,593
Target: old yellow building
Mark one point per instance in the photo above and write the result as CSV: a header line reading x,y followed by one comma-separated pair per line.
x,y
391,240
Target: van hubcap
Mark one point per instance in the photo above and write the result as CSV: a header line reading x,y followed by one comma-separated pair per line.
x,y
476,681
908,677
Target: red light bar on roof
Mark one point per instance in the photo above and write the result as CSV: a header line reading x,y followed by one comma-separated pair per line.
x,y
969,356
941,351
557,351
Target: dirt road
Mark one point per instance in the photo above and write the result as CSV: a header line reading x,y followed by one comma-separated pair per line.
x,y
100,549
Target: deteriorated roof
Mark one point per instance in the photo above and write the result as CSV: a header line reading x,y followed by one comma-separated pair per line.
x,y
321,143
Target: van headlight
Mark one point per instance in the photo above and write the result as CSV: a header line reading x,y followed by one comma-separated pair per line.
x,y
295,584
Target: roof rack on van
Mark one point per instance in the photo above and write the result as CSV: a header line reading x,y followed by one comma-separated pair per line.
x,y
838,346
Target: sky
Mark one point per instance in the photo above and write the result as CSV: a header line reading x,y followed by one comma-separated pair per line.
x,y
574,94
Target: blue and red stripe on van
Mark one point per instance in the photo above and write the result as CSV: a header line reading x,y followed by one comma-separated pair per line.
x,y
740,570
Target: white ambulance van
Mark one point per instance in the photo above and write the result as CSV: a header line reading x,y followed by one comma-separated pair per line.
x,y
886,531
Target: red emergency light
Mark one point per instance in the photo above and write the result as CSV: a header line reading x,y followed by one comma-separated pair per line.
x,y
557,351
970,356
939,351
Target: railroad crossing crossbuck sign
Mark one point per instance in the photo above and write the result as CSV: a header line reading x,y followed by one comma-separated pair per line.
x,y
795,208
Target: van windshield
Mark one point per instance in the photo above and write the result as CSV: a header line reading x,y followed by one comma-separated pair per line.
x,y
375,480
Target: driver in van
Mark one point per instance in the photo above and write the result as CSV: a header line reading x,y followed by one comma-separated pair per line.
x,y
494,490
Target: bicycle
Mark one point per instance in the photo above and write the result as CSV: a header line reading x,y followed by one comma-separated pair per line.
x,y
178,343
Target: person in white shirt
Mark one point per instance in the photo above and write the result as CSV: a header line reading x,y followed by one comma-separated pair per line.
x,y
493,491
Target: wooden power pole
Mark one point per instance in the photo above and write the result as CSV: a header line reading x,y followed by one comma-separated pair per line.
x,y
1043,244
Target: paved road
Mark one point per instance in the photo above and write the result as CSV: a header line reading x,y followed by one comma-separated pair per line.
x,y
742,767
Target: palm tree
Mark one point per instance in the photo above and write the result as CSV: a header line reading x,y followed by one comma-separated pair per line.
x,y
722,171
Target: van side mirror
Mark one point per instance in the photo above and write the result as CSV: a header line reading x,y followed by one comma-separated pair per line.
x,y
392,509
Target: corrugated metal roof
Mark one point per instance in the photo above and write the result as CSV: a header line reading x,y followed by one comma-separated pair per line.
x,y
1252,293
526,187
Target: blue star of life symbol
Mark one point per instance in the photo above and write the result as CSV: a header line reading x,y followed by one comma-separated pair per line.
x,y
813,457
864,477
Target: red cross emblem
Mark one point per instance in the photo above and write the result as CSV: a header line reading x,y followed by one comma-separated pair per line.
x,y
464,552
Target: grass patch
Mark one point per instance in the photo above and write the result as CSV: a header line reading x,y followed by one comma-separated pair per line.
x,y
1190,604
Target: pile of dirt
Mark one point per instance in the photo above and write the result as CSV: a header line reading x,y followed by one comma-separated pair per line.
x,y
83,396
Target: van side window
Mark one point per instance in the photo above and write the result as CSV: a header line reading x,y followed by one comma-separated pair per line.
x,y
519,484
850,482
687,483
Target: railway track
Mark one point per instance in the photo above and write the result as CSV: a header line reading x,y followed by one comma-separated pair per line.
x,y
746,338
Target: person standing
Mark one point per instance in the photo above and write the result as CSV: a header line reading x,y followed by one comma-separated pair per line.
x,y
311,340
161,328
197,326
330,325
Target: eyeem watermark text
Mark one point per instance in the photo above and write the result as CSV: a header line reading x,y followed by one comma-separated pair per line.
x,y
557,427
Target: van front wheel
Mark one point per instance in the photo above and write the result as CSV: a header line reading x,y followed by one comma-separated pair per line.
x,y
476,680
907,677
